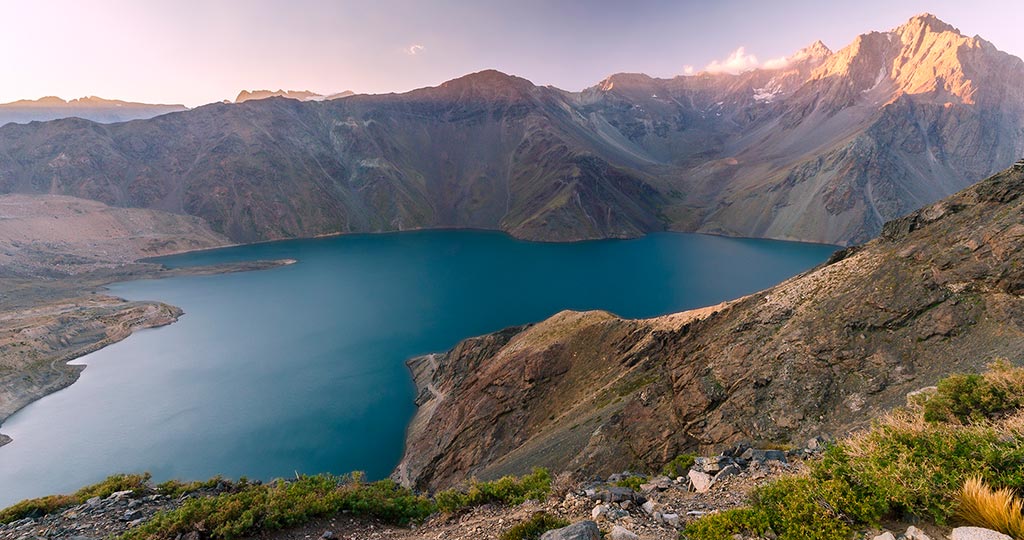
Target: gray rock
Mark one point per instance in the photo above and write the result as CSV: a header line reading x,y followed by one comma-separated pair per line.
x,y
584,530
327,535
93,502
131,515
615,514
118,495
650,507
671,519
729,470
913,533
621,533
599,510
976,533
701,481
618,494
885,536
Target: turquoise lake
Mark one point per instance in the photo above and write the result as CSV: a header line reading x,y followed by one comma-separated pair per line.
x,y
301,368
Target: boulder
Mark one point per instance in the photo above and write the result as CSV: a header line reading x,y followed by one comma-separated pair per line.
x,y
701,481
671,519
599,510
621,533
584,530
885,536
913,533
729,470
976,533
650,507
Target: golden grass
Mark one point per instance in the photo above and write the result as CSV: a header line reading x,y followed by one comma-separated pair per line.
x,y
998,510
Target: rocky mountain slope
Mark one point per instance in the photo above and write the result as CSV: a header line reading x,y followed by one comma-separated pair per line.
x,y
301,95
93,108
822,147
54,235
939,291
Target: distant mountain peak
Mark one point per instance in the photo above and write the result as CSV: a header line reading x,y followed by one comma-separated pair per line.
x,y
487,84
926,22
814,50
301,95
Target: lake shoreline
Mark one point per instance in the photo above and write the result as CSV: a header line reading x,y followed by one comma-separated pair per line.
x,y
54,313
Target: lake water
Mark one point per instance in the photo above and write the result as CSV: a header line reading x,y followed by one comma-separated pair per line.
x,y
301,368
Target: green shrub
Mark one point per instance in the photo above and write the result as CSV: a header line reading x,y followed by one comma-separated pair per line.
x,y
903,466
263,507
920,467
972,398
533,528
794,508
507,490
632,482
679,466
175,488
45,505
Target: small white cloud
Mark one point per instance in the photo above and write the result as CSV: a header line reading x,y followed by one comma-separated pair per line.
x,y
687,70
414,49
737,62
776,63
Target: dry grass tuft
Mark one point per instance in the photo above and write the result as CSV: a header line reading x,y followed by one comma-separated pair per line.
x,y
999,509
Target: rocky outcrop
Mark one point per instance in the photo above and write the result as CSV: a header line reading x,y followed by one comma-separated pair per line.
x,y
822,147
822,353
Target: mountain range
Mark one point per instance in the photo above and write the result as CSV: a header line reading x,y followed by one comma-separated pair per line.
x,y
301,95
825,146
106,111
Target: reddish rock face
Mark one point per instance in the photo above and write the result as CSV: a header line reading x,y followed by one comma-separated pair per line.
x,y
822,353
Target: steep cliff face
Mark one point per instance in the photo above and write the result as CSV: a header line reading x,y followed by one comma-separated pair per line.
x,y
821,146
939,291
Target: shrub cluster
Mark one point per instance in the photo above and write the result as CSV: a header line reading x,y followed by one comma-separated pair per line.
x,y
973,397
679,466
533,528
45,505
277,505
902,466
507,490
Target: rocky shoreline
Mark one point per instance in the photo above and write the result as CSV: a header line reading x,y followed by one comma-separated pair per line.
x,y
46,324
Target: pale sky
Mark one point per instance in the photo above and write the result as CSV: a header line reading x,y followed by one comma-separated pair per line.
x,y
200,51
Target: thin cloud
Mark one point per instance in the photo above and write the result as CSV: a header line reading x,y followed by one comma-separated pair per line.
x,y
414,49
737,62
777,63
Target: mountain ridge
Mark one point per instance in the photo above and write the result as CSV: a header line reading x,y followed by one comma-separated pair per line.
x,y
94,108
819,354
824,147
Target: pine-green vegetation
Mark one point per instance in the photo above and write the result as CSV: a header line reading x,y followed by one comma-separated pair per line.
x,y
508,490
250,507
912,463
533,528
45,505
245,508
632,482
679,466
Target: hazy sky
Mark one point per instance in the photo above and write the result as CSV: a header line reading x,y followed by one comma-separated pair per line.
x,y
199,51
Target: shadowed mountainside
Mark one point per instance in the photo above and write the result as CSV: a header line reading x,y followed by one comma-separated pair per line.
x,y
823,147
939,291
